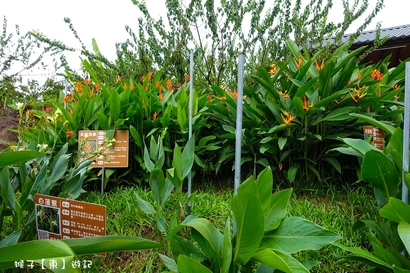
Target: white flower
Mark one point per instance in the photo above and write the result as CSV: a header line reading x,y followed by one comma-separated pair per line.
x,y
20,105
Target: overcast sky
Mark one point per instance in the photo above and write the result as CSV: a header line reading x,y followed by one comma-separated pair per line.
x,y
105,20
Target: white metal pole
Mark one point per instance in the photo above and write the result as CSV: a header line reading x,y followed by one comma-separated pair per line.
x,y
405,190
238,131
191,94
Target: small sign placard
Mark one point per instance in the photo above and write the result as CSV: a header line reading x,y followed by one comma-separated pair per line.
x,y
61,218
115,157
374,135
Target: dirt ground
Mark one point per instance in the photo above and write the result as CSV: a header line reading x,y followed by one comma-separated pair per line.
x,y
8,120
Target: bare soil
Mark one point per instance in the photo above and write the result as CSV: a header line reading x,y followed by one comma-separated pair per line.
x,y
8,120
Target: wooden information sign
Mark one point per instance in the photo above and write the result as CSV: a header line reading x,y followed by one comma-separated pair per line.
x,y
115,157
61,218
374,135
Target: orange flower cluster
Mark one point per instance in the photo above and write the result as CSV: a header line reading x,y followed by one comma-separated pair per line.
x,y
186,78
299,62
285,95
306,105
67,98
69,133
169,85
321,66
97,86
273,69
357,93
287,118
376,74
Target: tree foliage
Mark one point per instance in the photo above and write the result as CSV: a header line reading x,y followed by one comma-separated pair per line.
x,y
219,32
21,55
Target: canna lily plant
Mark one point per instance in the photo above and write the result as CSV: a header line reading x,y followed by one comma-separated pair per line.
x,y
265,236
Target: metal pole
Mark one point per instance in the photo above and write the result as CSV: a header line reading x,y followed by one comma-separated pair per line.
x,y
191,94
405,190
238,131
102,179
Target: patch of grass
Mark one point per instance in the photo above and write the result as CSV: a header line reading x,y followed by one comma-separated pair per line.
x,y
336,209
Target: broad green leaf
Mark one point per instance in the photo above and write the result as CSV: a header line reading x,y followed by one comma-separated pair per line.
x,y
249,217
189,265
59,169
364,256
7,192
209,232
169,263
292,173
404,233
278,209
226,248
157,182
337,115
103,244
396,211
400,270
296,234
102,120
136,136
147,160
333,161
264,183
11,239
282,142
380,124
188,156
279,260
359,145
145,206
381,172
38,251
10,158
183,246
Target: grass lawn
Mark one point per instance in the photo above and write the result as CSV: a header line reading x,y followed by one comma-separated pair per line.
x,y
334,209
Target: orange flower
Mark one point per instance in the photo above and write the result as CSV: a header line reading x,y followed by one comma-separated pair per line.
x,y
143,78
169,85
306,105
91,94
132,87
321,66
179,85
97,86
287,118
79,86
67,98
150,75
69,133
376,74
157,84
359,76
161,97
273,69
154,116
395,87
48,109
87,81
299,62
30,112
146,87
285,95
125,86
186,78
